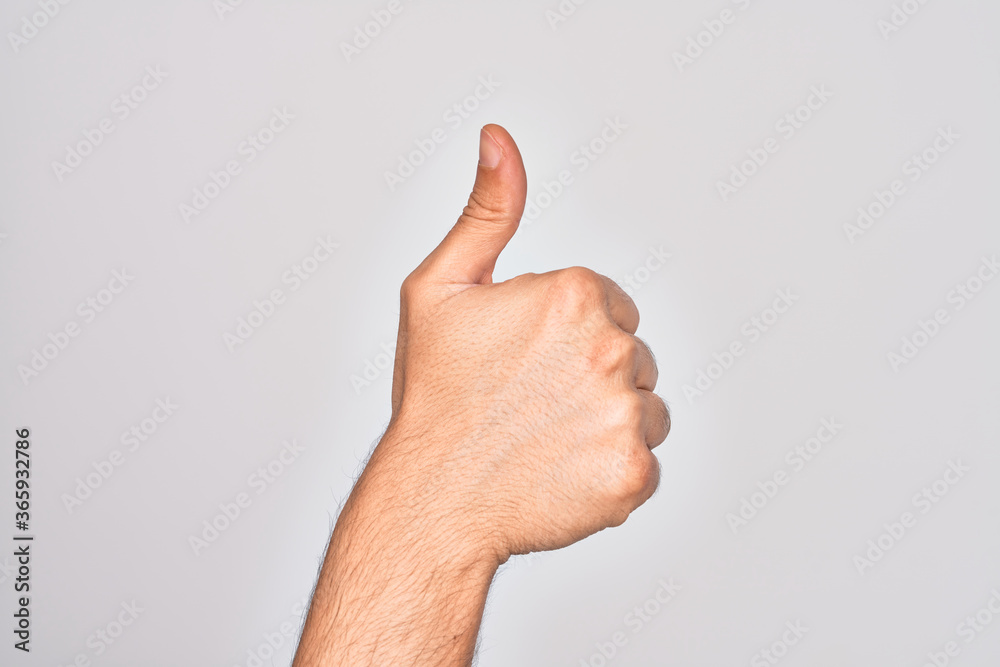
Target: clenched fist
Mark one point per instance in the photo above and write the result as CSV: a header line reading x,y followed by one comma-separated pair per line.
x,y
522,420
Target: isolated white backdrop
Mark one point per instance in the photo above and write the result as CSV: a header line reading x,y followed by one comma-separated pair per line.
x,y
64,234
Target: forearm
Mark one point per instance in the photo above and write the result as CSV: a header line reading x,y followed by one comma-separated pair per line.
x,y
401,584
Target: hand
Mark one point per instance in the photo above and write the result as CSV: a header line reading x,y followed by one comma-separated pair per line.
x,y
522,419
523,411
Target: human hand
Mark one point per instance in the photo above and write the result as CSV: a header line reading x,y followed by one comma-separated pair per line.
x,y
523,412
522,420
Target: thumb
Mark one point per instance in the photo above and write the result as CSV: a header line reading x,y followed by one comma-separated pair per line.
x,y
469,252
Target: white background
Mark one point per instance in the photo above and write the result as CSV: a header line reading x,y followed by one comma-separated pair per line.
x,y
655,186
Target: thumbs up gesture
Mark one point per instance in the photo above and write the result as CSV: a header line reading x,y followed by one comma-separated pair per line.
x,y
523,416
523,412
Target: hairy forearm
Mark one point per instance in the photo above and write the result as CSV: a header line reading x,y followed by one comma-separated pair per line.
x,y
403,583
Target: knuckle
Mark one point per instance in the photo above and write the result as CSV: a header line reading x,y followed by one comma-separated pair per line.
x,y
638,475
626,412
521,280
576,287
617,351
412,288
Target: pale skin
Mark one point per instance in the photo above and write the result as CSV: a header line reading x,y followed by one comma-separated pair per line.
x,y
523,419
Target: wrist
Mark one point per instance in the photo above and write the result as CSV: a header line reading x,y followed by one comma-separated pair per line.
x,y
407,497
402,576
398,581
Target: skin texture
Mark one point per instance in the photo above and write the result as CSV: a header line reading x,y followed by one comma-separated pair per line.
x,y
522,420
